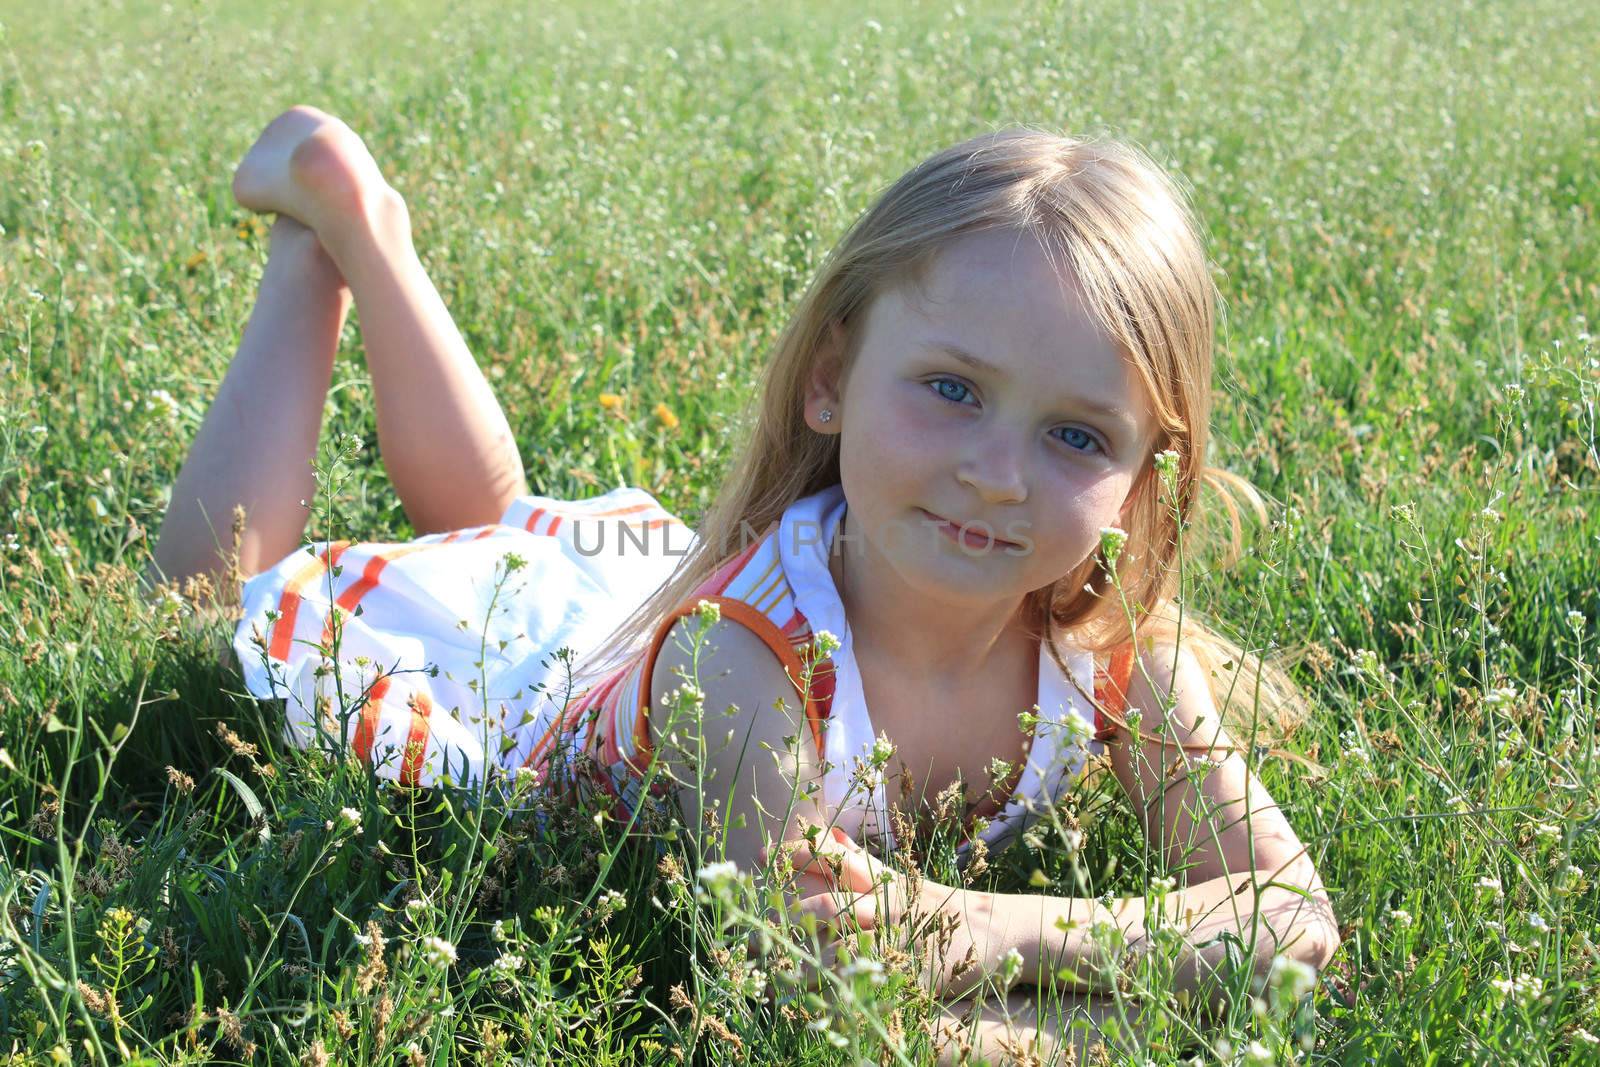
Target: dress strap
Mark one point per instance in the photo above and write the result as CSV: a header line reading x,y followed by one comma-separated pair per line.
x,y
817,699
1111,692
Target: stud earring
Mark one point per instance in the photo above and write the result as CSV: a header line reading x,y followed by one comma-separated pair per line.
x,y
825,415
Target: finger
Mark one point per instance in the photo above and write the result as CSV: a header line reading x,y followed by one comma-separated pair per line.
x,y
852,870
839,915
860,859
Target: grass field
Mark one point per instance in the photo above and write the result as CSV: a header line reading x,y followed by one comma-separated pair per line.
x,y
1401,205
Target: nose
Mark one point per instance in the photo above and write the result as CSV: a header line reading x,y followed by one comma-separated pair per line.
x,y
995,469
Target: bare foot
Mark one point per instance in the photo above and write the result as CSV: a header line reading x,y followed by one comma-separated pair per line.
x,y
310,166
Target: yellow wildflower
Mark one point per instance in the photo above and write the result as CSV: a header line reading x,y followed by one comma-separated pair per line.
x,y
668,419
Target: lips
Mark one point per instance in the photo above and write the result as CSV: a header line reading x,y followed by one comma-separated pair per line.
x,y
974,537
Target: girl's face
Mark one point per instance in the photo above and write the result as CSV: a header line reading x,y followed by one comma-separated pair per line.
x,y
1038,449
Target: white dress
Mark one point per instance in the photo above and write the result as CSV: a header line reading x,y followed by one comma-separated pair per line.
x,y
448,620
451,620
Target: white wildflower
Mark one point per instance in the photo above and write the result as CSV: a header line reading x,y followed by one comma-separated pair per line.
x,y
882,750
717,880
351,818
1010,967
1290,978
1167,465
709,611
1077,729
822,1026
1499,697
1112,542
686,695
1571,881
864,966
162,401
610,902
1548,832
1257,1055
824,643
1353,748
1400,917
1366,662
1523,989
1490,887
507,964
1580,1034
1577,620
1538,922
438,951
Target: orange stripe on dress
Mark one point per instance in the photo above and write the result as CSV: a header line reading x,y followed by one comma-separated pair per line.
x,y
367,725
289,602
416,741
762,627
1111,692
578,513
381,558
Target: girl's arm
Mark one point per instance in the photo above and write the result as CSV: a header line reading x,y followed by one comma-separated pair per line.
x,y
1241,868
745,769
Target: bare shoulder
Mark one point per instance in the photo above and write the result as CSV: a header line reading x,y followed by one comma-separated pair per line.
x,y
1169,683
732,659
743,680
748,764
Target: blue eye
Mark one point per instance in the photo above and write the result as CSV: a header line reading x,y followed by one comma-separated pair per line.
x,y
1087,437
1080,443
947,381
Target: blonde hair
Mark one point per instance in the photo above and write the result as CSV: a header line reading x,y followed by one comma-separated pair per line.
x,y
1113,218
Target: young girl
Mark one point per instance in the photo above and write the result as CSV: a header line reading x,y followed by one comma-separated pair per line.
x,y
1004,364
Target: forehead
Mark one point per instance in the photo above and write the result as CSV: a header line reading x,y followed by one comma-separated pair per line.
x,y
997,295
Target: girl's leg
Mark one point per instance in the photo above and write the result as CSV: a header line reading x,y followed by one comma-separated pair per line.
x,y
254,447
444,440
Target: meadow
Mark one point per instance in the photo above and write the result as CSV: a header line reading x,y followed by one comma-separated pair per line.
x,y
620,204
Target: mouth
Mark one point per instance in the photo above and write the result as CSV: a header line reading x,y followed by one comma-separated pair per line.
x,y
972,538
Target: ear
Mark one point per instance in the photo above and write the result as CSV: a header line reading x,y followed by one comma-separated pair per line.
x,y
825,389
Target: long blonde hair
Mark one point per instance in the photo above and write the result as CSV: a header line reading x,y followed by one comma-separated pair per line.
x,y
1112,217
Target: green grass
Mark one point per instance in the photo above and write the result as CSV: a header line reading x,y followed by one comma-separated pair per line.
x,y
1401,205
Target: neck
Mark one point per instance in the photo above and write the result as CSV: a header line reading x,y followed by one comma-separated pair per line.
x,y
942,642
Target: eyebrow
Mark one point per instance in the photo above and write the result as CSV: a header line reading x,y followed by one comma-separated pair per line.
x,y
955,351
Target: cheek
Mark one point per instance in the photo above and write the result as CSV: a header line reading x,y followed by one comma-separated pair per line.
x,y
1079,507
899,433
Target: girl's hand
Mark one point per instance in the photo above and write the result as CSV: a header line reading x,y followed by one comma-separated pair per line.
x,y
856,893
